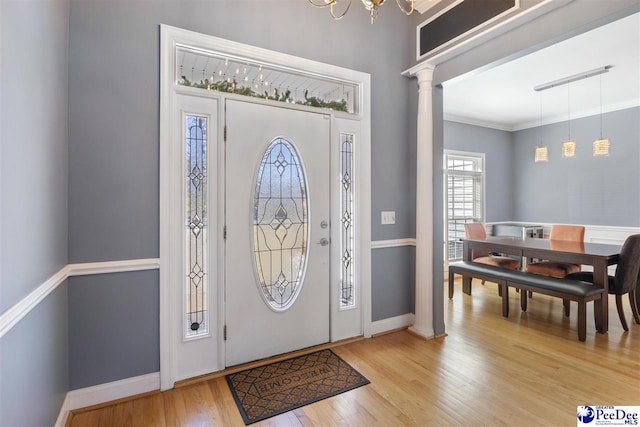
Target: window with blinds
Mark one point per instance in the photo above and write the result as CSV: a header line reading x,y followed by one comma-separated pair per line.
x,y
464,195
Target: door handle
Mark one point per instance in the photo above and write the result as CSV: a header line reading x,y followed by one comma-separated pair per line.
x,y
323,242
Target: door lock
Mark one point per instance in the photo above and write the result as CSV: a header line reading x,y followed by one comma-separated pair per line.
x,y
323,242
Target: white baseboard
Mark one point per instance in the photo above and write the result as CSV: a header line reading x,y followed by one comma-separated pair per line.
x,y
89,396
392,323
64,413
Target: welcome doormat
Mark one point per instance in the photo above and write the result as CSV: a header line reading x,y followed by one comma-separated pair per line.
x,y
279,387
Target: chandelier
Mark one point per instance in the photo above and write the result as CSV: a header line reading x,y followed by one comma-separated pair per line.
x,y
371,5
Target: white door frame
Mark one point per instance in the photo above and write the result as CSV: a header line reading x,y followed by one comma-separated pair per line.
x,y
358,123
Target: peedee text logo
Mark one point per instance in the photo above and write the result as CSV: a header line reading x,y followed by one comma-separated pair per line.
x,y
608,415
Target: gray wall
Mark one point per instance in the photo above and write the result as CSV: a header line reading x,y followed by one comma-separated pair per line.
x,y
584,189
114,106
392,297
34,145
33,213
116,336
113,141
498,149
34,370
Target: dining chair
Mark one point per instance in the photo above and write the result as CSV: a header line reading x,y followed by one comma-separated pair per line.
x,y
626,279
566,233
569,233
477,231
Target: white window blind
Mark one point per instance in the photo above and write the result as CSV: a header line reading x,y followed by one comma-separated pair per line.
x,y
464,196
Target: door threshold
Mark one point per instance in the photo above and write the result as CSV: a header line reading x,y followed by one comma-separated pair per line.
x,y
265,361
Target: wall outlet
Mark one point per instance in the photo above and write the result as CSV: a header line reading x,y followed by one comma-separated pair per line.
x,y
388,217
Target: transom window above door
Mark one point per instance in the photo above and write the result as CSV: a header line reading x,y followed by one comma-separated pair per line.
x,y
209,70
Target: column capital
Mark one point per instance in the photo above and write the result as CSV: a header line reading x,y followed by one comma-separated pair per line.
x,y
423,68
425,77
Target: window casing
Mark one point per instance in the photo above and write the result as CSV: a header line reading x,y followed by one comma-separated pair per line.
x,y
464,179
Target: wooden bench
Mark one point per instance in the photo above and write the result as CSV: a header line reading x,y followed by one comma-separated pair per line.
x,y
573,290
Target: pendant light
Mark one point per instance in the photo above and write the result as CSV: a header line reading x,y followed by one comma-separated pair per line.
x,y
541,153
601,145
569,146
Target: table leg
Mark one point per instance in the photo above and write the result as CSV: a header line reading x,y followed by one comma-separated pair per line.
x,y
601,278
466,256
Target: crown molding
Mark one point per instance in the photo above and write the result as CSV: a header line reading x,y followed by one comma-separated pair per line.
x,y
560,118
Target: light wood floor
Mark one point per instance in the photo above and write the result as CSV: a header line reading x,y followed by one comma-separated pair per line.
x,y
528,370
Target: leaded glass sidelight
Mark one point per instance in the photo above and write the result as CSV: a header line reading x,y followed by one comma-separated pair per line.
x,y
280,224
196,313
347,287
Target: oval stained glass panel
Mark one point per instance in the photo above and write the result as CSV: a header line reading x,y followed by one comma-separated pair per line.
x,y
280,224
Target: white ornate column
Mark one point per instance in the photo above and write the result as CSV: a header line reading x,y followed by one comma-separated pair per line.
x,y
423,324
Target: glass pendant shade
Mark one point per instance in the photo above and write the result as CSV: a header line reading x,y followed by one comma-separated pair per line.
x,y
542,154
569,148
601,147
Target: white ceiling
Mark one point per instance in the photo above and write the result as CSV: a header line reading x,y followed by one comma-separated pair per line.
x,y
503,97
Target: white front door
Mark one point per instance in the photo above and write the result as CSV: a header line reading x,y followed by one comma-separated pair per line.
x,y
277,230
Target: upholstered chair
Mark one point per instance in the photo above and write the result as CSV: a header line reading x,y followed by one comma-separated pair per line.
x,y
476,231
626,279
564,233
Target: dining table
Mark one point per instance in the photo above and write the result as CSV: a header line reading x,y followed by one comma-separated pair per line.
x,y
599,256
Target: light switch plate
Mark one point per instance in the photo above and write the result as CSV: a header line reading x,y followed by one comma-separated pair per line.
x,y
388,217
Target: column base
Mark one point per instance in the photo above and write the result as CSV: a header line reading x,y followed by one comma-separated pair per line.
x,y
427,334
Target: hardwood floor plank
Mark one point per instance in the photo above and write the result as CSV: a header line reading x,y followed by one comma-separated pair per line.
x,y
488,370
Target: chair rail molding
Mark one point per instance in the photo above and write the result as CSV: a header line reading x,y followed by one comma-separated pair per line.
x,y
607,234
393,243
13,315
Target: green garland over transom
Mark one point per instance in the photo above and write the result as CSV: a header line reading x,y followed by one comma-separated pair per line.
x,y
232,87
